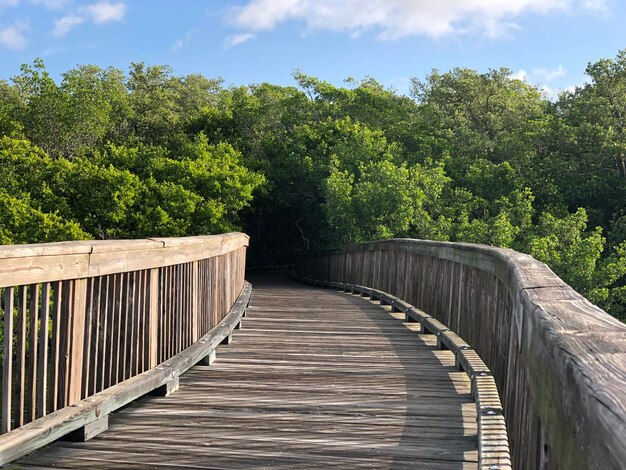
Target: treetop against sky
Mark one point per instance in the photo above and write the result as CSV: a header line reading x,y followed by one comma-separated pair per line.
x,y
548,42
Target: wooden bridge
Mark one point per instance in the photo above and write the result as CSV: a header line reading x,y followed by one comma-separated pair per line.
x,y
416,355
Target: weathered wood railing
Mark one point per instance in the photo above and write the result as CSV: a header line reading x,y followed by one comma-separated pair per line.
x,y
559,362
89,326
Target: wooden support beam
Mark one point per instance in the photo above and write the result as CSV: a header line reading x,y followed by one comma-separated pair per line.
x,y
208,359
167,388
89,430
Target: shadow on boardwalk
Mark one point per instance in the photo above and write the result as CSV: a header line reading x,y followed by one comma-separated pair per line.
x,y
315,379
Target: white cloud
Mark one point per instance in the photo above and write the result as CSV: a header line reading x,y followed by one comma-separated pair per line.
x,y
183,41
553,94
401,84
236,39
51,4
12,37
520,75
549,75
62,26
540,75
104,12
549,92
598,5
9,3
394,19
96,13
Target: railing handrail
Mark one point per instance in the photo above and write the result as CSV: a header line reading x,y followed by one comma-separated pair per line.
x,y
566,354
48,262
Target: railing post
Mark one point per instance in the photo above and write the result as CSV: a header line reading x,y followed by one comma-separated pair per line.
x,y
153,338
77,322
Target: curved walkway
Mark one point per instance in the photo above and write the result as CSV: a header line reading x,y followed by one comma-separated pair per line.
x,y
315,379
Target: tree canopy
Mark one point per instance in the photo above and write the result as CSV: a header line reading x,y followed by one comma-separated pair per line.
x,y
470,156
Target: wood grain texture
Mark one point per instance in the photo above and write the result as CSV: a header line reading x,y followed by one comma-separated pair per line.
x,y
316,379
48,262
559,362
493,448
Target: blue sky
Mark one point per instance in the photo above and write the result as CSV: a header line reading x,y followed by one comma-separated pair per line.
x,y
549,42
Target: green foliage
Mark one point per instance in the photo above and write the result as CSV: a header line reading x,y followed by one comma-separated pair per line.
x,y
483,116
120,192
586,158
199,191
20,222
563,244
473,157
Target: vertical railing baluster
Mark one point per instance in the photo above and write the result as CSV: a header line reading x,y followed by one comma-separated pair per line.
x,y
103,352
173,309
7,367
20,354
204,295
54,349
163,318
214,291
119,296
176,317
167,307
43,350
87,335
185,324
134,353
95,344
170,304
186,307
78,316
182,303
153,319
143,324
145,304
65,344
33,340
127,309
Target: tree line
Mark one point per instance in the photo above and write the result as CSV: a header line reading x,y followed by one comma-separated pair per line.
x,y
468,156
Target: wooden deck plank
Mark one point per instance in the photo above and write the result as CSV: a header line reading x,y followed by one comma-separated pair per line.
x,y
314,379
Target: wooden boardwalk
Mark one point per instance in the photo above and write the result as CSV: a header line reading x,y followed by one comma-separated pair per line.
x,y
315,379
